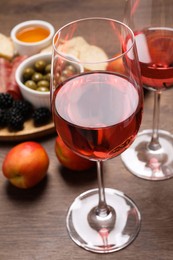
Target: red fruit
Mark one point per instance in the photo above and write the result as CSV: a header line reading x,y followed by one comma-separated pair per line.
x,y
69,159
26,164
116,66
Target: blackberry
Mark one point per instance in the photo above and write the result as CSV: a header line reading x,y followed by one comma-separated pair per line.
x,y
41,116
3,118
16,123
15,119
12,111
6,100
24,107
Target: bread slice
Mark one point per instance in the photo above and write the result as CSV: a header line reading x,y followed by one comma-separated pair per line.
x,y
80,49
94,58
6,47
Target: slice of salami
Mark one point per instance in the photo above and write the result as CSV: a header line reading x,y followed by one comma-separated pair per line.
x,y
5,72
12,86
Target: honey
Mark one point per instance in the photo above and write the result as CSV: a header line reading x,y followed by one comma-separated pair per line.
x,y
32,34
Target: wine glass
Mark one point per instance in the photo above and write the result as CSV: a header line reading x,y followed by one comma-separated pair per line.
x,y
151,155
97,112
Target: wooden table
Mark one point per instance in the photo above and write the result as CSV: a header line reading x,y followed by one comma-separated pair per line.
x,y
32,222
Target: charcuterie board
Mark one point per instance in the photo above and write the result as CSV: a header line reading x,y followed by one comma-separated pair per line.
x,y
9,61
28,133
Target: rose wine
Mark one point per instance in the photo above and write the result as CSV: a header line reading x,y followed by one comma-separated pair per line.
x,y
155,51
97,114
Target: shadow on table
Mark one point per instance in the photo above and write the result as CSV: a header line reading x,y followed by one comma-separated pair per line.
x,y
30,194
76,178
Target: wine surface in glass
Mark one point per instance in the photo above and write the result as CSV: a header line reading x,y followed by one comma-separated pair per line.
x,y
155,51
97,114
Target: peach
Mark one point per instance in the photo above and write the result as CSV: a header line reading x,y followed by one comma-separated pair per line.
x,y
26,164
69,159
116,66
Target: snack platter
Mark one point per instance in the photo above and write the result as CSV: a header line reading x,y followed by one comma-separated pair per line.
x,y
29,131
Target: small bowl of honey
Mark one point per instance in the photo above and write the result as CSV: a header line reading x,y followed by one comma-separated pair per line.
x,y
30,37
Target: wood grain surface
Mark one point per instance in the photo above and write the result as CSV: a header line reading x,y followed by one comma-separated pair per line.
x,y
32,222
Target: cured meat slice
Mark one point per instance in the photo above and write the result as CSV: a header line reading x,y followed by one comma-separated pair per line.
x,y
5,72
12,86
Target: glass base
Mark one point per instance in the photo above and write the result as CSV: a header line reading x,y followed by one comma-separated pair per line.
x,y
148,164
103,237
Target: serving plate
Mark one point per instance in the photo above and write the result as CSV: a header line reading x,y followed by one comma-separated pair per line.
x,y
29,132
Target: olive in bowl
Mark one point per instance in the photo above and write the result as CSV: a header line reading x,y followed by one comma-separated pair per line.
x,y
33,79
37,77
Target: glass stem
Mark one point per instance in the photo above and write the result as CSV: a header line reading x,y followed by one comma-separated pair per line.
x,y
102,208
154,143
102,217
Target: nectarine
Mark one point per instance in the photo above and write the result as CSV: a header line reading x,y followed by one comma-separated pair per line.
x,y
25,164
69,159
116,66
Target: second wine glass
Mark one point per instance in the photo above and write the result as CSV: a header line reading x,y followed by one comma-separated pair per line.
x,y
151,155
97,112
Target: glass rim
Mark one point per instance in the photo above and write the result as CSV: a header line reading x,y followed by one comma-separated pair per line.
x,y
65,56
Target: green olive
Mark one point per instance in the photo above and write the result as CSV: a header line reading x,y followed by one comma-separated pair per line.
x,y
42,89
62,78
47,77
40,65
65,73
31,84
43,83
57,75
69,71
48,68
27,73
37,76
71,68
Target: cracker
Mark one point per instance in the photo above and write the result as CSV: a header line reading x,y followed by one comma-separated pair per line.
x,y
94,54
6,47
79,48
